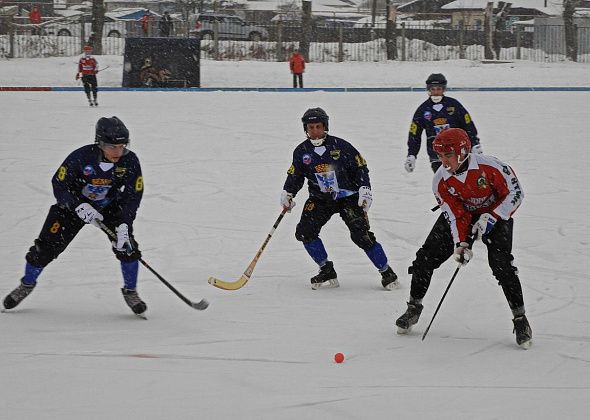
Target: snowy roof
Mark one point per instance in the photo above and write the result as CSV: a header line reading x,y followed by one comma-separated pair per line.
x,y
316,5
549,7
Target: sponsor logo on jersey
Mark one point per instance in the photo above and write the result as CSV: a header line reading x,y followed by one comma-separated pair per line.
x,y
428,115
101,181
306,159
88,170
335,154
119,172
440,121
323,167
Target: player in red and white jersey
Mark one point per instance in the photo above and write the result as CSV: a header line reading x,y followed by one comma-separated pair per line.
x,y
87,68
478,195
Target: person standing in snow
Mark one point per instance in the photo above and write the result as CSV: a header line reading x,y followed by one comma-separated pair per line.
x,y
297,66
88,68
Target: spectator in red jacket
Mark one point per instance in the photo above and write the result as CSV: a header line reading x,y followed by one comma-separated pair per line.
x,y
35,18
297,66
145,22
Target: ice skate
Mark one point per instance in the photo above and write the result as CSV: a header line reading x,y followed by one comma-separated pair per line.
x,y
326,279
17,295
90,102
524,334
133,300
95,102
409,318
389,279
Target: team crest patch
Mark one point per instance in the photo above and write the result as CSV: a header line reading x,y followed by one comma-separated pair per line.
x,y
88,170
335,154
428,115
482,182
306,159
120,171
450,110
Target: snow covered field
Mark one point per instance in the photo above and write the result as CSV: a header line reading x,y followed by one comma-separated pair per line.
x,y
60,71
214,164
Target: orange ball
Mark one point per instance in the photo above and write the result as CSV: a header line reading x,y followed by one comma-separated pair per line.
x,y
339,358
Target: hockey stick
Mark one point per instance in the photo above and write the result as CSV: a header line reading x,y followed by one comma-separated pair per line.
x,y
201,305
470,241
99,70
235,285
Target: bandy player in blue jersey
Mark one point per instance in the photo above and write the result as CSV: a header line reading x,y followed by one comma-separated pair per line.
x,y
338,182
97,182
434,115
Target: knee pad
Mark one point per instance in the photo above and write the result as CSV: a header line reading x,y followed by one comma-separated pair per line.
x,y
305,233
40,254
363,239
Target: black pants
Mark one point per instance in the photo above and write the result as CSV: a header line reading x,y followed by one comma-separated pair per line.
x,y
316,214
90,84
297,77
61,227
439,246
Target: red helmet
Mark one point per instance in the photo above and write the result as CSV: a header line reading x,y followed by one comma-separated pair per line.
x,y
452,140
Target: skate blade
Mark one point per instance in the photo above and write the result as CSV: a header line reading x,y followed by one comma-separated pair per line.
x,y
404,331
526,345
329,284
142,316
392,286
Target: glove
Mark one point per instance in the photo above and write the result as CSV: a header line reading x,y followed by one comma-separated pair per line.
x,y
410,163
365,198
123,242
477,149
463,254
88,214
287,200
77,76
484,225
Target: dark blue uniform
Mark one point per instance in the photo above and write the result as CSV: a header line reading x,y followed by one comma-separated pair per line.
x,y
334,171
338,172
432,118
114,189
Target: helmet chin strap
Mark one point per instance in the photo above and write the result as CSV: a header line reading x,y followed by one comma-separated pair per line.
x,y
436,99
317,142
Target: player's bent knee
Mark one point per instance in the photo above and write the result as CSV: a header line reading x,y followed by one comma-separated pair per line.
x,y
304,234
364,240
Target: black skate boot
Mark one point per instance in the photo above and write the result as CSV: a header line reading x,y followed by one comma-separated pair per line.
x,y
90,102
95,102
389,279
133,300
326,279
17,295
524,334
409,318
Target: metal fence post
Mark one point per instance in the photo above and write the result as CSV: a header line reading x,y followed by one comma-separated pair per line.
x,y
518,42
461,40
340,44
403,41
216,40
280,55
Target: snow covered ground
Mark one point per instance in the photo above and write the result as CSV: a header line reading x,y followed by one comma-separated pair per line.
x,y
214,164
60,71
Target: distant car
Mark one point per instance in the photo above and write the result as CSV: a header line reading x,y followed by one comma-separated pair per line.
x,y
111,28
229,27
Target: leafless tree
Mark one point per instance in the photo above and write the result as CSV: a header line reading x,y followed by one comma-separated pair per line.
x,y
571,35
95,39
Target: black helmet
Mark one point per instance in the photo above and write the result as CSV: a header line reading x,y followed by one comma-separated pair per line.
x,y
314,115
436,79
112,131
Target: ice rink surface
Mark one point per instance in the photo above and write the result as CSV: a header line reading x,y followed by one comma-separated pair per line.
x,y
214,166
